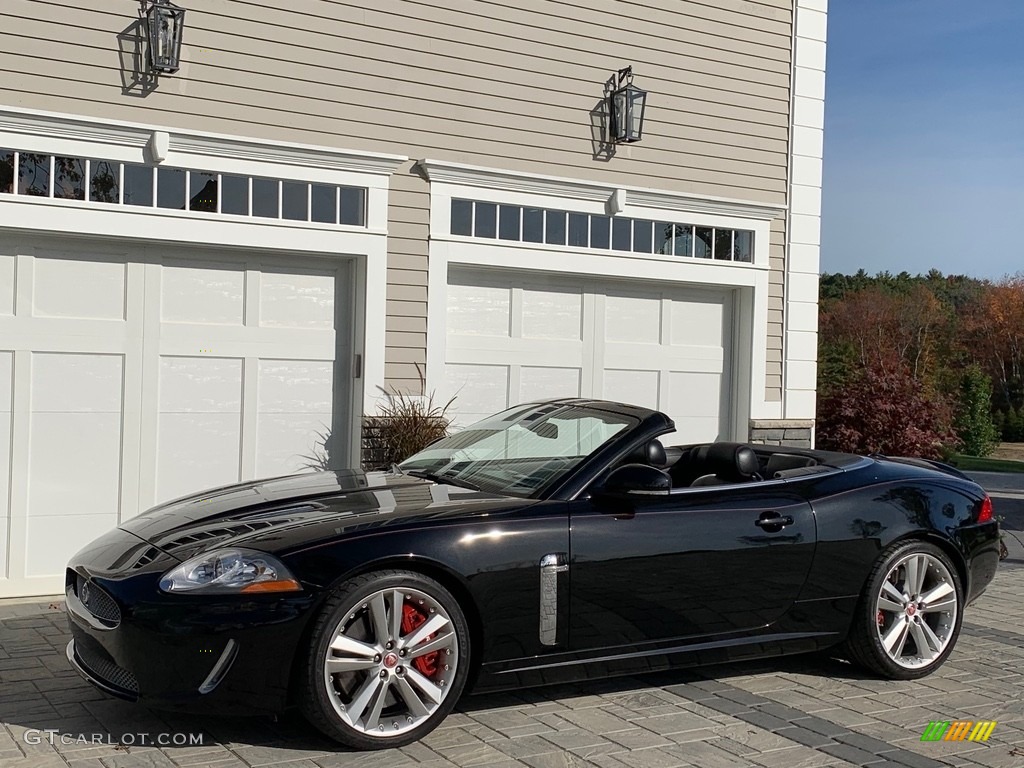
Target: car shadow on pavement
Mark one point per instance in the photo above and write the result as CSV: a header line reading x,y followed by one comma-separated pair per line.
x,y
79,717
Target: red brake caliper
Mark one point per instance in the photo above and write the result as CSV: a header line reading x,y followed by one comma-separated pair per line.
x,y
412,617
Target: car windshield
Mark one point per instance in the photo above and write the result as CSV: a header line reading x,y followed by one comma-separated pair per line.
x,y
520,451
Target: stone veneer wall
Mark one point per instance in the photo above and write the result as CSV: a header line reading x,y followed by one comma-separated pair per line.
x,y
797,433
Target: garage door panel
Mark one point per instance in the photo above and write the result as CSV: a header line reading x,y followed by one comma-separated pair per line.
x,y
6,393
290,300
53,540
552,315
700,322
467,350
202,295
57,289
479,310
185,340
479,390
632,386
7,284
200,411
633,319
698,405
540,383
75,425
293,414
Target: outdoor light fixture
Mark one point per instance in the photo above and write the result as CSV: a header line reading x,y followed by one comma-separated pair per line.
x,y
164,21
626,108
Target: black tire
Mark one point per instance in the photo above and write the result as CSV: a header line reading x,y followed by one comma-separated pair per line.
x,y
864,644
321,706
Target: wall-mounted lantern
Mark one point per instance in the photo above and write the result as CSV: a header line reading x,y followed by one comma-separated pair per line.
x,y
164,22
626,108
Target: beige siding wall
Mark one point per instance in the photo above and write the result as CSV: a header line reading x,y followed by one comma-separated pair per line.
x,y
508,85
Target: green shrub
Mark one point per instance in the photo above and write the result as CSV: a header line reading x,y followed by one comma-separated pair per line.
x,y
973,422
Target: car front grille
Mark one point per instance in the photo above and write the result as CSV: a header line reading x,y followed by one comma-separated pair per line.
x,y
97,600
99,665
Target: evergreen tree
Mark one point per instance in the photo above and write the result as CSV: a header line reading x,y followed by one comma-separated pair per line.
x,y
973,423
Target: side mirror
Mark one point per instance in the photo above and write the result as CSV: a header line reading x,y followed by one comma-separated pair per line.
x,y
637,479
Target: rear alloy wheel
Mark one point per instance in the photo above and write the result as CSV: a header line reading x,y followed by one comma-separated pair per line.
x,y
388,662
910,613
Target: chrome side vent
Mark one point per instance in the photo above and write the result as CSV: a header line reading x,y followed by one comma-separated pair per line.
x,y
550,566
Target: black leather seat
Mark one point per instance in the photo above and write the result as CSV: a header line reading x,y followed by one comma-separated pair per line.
x,y
728,463
651,453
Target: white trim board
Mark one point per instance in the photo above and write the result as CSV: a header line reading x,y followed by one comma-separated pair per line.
x,y
475,176
119,133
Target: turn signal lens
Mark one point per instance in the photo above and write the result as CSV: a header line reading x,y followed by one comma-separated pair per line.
x,y
985,513
281,585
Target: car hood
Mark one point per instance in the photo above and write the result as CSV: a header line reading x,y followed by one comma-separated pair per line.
x,y
272,510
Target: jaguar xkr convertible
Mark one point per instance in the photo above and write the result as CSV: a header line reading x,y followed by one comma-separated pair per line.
x,y
553,541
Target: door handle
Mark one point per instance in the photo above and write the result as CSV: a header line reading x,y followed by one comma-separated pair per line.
x,y
773,520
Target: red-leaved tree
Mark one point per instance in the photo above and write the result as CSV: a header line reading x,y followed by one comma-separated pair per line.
x,y
884,412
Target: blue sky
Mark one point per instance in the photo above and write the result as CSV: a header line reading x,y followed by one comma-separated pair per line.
x,y
924,137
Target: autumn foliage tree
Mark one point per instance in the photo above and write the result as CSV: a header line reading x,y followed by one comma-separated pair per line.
x,y
887,412
893,352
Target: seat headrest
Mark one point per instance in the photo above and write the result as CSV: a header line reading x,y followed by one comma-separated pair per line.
x,y
733,462
652,452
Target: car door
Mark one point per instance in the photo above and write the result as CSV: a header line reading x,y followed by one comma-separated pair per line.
x,y
695,563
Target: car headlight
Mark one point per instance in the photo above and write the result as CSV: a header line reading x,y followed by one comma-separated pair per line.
x,y
230,571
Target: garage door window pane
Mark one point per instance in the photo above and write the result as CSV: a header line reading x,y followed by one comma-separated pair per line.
x,y
702,243
533,225
69,178
743,247
104,186
555,233
203,188
170,188
622,234
6,170
264,198
579,230
485,223
642,234
294,201
462,217
353,206
33,174
684,240
324,204
508,222
600,231
234,195
723,244
138,185
663,236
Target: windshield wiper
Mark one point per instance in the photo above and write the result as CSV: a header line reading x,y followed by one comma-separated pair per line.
x,y
445,479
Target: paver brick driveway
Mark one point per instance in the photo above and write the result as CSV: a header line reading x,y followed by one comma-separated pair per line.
x,y
792,712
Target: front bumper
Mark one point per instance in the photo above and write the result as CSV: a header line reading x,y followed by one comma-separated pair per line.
x,y
223,653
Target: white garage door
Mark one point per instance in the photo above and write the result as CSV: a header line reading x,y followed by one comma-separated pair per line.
x,y
511,339
130,377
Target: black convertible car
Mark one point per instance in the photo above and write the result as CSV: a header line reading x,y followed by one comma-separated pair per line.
x,y
553,541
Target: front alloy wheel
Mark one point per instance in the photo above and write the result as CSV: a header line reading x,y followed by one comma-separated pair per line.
x,y
388,660
910,613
